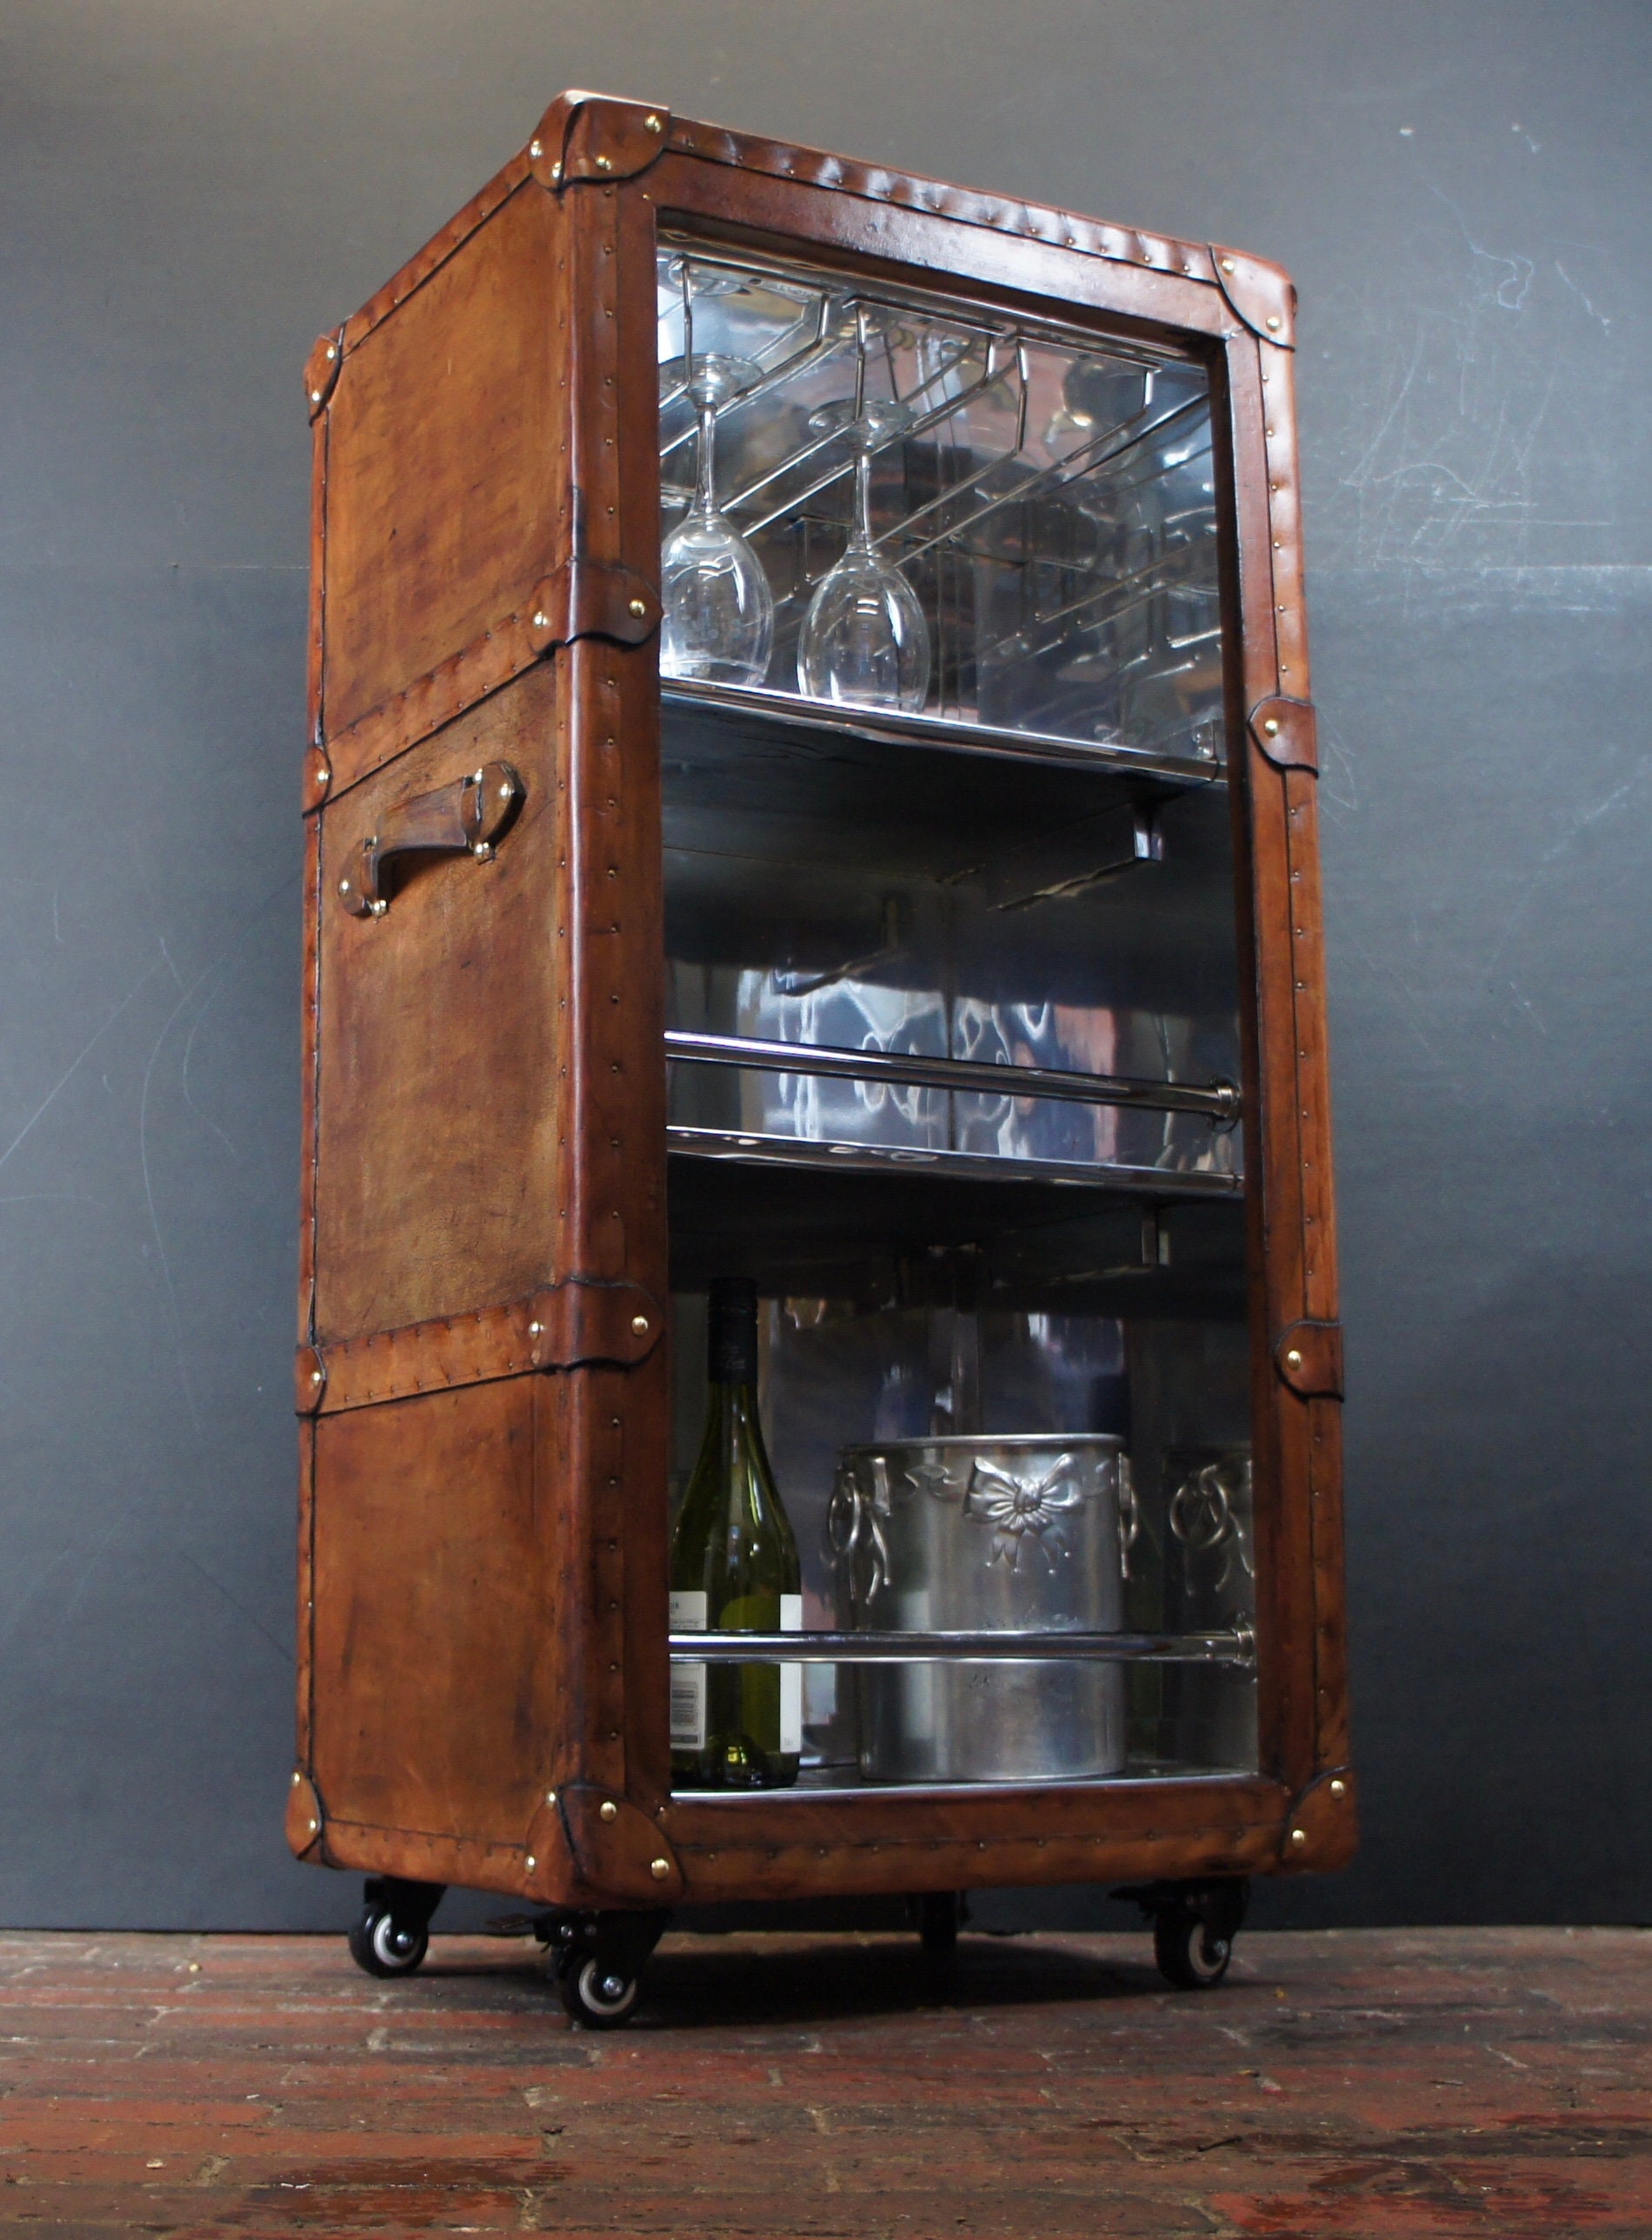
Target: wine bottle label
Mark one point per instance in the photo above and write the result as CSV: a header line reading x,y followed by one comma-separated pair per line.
x,y
791,1680
688,1681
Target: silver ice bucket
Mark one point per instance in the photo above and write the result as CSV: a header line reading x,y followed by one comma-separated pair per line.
x,y
1007,1535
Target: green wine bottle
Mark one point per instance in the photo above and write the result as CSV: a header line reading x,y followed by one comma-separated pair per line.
x,y
733,1568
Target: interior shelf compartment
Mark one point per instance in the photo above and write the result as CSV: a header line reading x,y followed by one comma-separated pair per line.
x,y
821,1230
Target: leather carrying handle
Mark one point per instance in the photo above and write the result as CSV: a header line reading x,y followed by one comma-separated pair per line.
x,y
468,817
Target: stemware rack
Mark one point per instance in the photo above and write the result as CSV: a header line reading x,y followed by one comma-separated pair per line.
x,y
983,1031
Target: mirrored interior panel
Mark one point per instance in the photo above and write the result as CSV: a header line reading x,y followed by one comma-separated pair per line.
x,y
935,514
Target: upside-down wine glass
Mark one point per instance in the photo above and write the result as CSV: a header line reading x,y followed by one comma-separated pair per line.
x,y
719,620
865,641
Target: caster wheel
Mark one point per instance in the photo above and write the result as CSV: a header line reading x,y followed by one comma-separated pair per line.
x,y
938,1916
598,1993
1192,1953
383,1946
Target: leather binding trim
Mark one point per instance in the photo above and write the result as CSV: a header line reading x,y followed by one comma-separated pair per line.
x,y
1323,1829
584,599
559,1328
306,1822
1287,731
814,167
322,370
1309,1356
581,598
580,1856
1258,293
596,136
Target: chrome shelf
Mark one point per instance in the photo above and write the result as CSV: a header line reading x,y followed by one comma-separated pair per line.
x,y
1237,1647
958,1166
964,1076
943,731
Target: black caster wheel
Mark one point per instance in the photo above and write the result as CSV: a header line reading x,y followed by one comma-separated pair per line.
x,y
393,1934
595,1992
1194,1928
940,1915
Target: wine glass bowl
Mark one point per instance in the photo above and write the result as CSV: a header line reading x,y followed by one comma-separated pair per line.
x,y
718,626
865,641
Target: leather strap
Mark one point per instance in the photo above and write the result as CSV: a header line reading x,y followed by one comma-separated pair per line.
x,y
1309,1356
1287,731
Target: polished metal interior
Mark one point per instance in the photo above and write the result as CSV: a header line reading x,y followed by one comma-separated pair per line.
x,y
1045,495
952,1044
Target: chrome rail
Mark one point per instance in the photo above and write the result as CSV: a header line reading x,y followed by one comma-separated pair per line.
x,y
1236,1647
823,1155
968,1076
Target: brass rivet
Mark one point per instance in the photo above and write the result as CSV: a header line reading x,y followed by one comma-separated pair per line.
x,y
315,396
602,163
556,171
1273,323
534,1328
608,1809
332,349
1227,265
1299,1835
1293,1359
651,123
550,1796
659,1869
296,1778
534,148
504,793
542,621
639,608
315,1378
1339,1789
344,886
639,1323
1272,725
314,1827
530,1862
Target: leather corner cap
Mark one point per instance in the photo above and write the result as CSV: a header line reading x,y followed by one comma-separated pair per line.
x,y
596,136
593,1847
1259,294
305,1819
1309,1357
1323,1829
322,370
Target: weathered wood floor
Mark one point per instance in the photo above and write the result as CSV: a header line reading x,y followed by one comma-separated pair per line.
x,y
1361,2084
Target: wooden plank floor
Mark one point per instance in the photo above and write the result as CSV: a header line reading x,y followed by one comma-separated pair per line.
x,y
1363,2084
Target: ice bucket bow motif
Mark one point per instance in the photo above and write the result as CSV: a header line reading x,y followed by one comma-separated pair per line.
x,y
1013,1534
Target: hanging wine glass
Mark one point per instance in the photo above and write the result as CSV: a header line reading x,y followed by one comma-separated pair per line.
x,y
719,620
865,641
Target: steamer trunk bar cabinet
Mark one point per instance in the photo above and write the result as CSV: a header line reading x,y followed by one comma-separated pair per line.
x,y
903,896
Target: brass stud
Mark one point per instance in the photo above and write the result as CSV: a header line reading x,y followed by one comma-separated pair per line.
x,y
296,1778
1299,1835
504,793
315,1378
639,1323
315,396
608,1809
332,350
1273,323
314,1827
1272,725
344,886
534,1328
542,621
639,608
652,123
556,171
534,148
1227,265
550,1796
1339,1789
660,1868
602,163
530,1862
1293,1359
482,850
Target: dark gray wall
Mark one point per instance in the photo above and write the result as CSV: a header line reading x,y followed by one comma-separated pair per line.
x,y
190,191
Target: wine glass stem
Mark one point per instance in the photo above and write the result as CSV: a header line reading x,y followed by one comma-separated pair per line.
x,y
705,493
861,540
